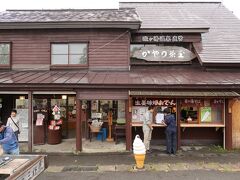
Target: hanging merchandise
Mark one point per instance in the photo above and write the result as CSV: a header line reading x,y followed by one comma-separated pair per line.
x,y
55,124
54,128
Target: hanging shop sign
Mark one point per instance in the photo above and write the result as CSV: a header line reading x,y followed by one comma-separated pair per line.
x,y
153,102
164,53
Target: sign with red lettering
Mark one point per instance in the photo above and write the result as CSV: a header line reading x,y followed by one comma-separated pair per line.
x,y
153,102
192,101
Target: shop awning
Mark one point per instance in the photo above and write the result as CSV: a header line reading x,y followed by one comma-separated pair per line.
x,y
185,93
170,78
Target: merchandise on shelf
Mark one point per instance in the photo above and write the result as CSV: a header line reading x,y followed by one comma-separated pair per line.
x,y
55,124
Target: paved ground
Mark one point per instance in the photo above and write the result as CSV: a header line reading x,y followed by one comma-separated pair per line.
x,y
69,146
190,162
179,175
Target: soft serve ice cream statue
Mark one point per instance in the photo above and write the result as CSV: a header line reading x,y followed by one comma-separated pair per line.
x,y
139,151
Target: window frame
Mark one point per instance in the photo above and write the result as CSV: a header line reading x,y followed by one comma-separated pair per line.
x,y
7,66
60,66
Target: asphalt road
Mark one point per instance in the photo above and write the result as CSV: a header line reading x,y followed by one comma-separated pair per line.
x,y
178,175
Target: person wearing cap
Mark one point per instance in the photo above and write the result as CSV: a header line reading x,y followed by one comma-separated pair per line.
x,y
8,140
171,131
147,128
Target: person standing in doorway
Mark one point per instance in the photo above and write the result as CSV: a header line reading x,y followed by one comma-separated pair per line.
x,y
8,140
147,128
14,123
171,131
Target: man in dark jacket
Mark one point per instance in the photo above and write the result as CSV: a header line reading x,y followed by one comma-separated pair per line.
x,y
8,140
171,131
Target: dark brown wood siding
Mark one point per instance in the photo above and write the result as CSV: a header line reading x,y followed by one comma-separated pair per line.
x,y
108,49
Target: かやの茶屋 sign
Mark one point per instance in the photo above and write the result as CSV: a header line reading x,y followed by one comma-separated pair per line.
x,y
164,53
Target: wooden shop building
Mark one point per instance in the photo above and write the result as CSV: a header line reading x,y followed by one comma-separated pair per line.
x,y
181,55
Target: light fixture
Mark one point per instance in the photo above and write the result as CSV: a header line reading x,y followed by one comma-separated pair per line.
x,y
21,97
64,96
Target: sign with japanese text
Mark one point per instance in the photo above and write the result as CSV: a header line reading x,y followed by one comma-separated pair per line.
x,y
33,171
192,101
166,38
163,38
153,102
164,53
218,101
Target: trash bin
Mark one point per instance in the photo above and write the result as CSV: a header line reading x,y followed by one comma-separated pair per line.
x,y
104,134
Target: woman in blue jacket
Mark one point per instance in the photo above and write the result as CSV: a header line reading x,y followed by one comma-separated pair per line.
x,y
8,140
171,131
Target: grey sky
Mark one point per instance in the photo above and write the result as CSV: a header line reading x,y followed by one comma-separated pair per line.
x,y
233,5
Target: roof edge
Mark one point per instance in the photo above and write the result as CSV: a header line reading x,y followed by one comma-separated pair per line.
x,y
174,30
174,1
110,9
49,25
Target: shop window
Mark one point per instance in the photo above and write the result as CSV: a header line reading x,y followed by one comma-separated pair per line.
x,y
217,107
69,54
202,110
72,110
189,114
100,109
4,54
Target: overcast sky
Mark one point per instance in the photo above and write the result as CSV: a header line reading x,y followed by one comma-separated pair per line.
x,y
233,5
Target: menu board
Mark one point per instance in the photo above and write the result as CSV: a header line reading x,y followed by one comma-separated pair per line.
x,y
23,118
138,113
22,113
121,109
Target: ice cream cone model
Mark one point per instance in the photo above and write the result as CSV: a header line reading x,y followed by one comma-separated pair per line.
x,y
139,158
139,151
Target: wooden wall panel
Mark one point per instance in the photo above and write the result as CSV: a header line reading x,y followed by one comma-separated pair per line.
x,y
236,124
108,49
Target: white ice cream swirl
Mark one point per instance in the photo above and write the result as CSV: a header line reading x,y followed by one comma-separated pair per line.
x,y
138,146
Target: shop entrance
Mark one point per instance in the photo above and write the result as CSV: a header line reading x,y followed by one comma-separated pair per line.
x,y
103,125
19,102
6,105
54,123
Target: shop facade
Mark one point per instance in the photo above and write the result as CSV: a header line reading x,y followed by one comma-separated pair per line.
x,y
61,78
